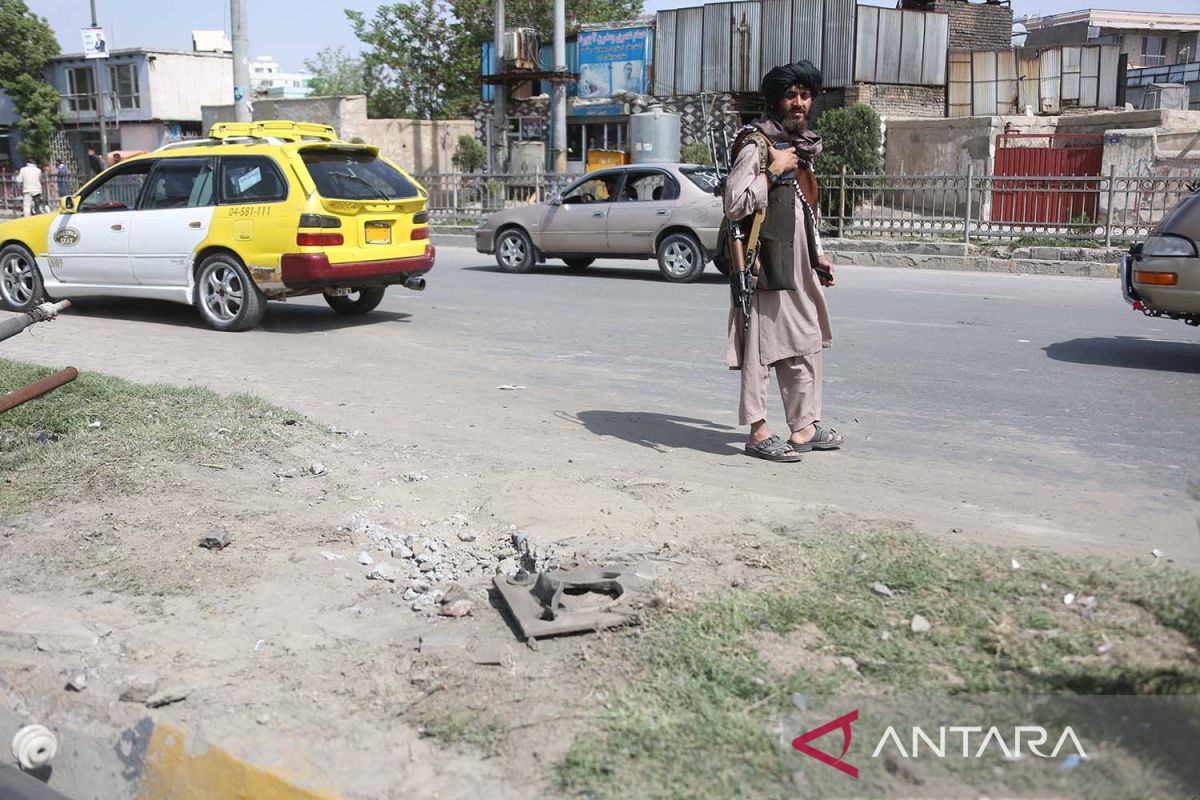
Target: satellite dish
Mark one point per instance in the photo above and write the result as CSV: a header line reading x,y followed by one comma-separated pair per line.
x,y
1019,33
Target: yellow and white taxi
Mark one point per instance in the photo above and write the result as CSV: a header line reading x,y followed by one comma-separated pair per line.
x,y
256,211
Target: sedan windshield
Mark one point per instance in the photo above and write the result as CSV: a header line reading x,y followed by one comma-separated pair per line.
x,y
355,175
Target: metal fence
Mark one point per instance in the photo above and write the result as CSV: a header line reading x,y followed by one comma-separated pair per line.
x,y
1111,208
54,186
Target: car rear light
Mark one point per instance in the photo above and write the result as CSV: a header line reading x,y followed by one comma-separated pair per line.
x,y
318,239
319,221
1169,244
419,233
1155,278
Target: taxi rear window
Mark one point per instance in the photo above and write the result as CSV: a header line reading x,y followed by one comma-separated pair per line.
x,y
355,175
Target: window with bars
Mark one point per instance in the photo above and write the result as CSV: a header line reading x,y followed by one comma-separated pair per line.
x,y
1154,50
81,90
123,83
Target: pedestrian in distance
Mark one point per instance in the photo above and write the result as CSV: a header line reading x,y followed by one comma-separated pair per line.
x,y
63,178
95,165
29,178
770,199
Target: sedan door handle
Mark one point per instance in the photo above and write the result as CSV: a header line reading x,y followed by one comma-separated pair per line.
x,y
597,213
662,212
194,224
117,227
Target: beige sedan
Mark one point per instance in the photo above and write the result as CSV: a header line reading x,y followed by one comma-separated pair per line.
x,y
663,211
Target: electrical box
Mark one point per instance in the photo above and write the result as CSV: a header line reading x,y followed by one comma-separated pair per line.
x,y
522,49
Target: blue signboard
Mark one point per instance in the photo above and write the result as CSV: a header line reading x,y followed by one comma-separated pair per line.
x,y
612,61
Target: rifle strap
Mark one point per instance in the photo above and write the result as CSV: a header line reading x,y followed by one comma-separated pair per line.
x,y
752,240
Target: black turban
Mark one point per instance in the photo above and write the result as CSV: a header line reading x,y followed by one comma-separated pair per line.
x,y
776,83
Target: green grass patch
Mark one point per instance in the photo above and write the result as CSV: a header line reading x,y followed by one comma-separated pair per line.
x,y
693,718
105,431
474,727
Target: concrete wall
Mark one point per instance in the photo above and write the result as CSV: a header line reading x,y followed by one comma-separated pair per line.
x,y
178,84
141,137
419,146
898,101
347,115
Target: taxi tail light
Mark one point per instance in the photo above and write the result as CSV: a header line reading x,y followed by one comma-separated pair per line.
x,y
421,218
1155,278
319,239
419,233
319,221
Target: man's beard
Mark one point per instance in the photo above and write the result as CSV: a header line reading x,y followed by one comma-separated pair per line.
x,y
793,125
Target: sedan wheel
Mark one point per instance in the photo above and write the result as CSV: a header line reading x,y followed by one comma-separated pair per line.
x,y
20,279
514,251
680,258
226,296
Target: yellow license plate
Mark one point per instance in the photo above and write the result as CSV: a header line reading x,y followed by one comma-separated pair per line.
x,y
379,233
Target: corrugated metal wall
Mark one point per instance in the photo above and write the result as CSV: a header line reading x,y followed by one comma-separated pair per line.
x,y
808,18
894,46
776,32
689,43
664,54
837,45
746,47
717,47
987,82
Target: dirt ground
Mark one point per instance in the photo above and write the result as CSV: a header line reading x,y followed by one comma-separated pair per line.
x,y
295,660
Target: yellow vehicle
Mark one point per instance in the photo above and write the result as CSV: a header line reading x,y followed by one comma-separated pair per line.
x,y
257,211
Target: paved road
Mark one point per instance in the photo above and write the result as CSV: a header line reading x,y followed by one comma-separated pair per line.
x,y
1022,409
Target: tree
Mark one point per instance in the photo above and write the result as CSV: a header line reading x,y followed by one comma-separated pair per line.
x,y
334,72
850,137
29,43
695,152
478,17
418,62
469,155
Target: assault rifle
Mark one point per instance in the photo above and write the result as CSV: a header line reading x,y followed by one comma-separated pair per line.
x,y
741,273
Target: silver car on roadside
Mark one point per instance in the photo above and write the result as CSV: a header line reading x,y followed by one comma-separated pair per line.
x,y
1161,276
664,211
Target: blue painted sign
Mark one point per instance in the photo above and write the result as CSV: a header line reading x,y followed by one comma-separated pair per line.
x,y
612,61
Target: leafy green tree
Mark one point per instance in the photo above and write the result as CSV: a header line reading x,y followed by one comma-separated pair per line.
x,y
478,16
469,155
695,153
29,43
419,62
334,72
850,137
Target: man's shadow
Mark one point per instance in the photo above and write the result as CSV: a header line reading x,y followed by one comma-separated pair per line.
x,y
662,431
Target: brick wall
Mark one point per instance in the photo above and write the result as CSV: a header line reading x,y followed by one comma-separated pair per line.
x,y
977,26
887,100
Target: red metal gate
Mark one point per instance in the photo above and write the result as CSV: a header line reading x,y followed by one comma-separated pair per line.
x,y
1035,165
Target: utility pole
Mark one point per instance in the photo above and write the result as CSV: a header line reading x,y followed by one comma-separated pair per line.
x,y
99,75
559,89
500,134
241,62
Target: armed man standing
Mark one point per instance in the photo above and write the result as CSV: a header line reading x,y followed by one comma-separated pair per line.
x,y
771,203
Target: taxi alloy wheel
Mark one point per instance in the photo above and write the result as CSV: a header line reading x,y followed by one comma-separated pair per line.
x,y
20,279
680,258
514,251
226,296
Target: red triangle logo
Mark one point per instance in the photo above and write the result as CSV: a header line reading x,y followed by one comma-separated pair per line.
x,y
842,723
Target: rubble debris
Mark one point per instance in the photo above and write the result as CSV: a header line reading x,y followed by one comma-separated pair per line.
x,y
139,687
318,469
919,624
76,681
217,539
329,555
585,598
457,609
166,697
415,477
882,589
509,387
383,571
365,559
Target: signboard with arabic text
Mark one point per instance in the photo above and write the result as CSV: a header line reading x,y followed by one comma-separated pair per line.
x,y
613,61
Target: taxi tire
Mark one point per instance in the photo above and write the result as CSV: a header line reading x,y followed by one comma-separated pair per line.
x,y
254,305
368,298
13,256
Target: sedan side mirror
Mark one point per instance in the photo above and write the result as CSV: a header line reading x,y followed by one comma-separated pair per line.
x,y
555,199
67,203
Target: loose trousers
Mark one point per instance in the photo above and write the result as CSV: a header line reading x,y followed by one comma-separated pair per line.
x,y
799,380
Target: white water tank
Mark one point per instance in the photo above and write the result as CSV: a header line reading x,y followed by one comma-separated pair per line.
x,y
654,137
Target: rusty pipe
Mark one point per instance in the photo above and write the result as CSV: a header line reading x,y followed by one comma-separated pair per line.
x,y
45,311
37,389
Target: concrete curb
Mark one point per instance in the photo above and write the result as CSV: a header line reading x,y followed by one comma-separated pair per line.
x,y
917,260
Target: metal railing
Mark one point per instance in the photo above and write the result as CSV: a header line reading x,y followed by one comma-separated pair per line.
x,y
1107,208
54,186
